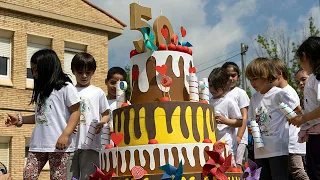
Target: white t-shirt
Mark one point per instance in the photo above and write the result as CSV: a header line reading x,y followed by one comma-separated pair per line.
x,y
294,146
264,108
113,106
241,98
311,100
228,108
93,103
51,118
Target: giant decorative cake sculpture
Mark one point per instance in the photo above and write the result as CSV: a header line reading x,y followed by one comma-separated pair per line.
x,y
169,126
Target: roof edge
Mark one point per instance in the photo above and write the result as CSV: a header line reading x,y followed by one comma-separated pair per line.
x,y
105,12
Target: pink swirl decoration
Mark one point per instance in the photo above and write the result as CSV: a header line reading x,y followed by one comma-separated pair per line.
x,y
219,147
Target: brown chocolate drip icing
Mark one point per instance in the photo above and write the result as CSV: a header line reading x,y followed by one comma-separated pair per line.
x,y
150,124
183,121
205,128
137,130
211,114
119,120
126,126
169,113
195,124
169,108
178,90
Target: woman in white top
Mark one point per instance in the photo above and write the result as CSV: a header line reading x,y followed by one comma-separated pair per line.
x,y
56,116
241,98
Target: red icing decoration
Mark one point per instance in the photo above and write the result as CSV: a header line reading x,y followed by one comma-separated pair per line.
x,y
207,141
185,49
145,172
165,32
124,104
203,101
114,175
164,99
135,74
180,48
166,81
190,51
162,47
133,53
162,69
174,38
183,31
109,146
137,172
153,141
117,138
192,70
234,169
172,47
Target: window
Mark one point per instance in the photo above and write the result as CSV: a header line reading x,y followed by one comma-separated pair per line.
x,y
4,154
35,43
5,57
71,49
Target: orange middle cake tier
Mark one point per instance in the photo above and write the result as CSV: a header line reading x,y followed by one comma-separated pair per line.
x,y
165,122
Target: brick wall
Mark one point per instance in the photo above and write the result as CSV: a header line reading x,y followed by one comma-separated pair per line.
x,y
18,97
70,8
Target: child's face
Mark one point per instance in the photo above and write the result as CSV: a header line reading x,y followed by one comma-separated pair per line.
x,y
305,64
233,77
83,77
216,93
259,84
112,84
301,79
34,70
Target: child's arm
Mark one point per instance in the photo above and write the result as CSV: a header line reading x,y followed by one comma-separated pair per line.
x,y
105,119
234,116
14,120
230,122
300,119
72,123
242,129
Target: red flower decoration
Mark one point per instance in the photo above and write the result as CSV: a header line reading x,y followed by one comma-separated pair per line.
x,y
100,175
216,165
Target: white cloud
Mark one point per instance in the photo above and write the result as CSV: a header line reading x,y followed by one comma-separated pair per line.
x,y
304,21
209,41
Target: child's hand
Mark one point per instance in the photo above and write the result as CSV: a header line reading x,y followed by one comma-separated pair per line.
x,y
221,119
238,139
297,121
12,120
99,127
249,130
62,142
5,176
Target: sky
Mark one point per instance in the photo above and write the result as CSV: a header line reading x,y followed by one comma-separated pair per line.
x,y
215,28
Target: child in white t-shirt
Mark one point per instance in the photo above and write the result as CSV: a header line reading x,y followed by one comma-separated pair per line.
x,y
227,112
264,108
309,122
241,98
94,113
56,116
297,151
115,74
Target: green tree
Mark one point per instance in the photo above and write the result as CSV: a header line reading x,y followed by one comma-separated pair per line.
x,y
275,43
